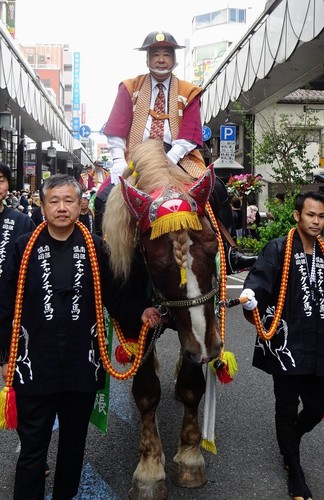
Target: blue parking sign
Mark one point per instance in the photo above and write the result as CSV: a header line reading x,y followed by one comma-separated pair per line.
x,y
228,133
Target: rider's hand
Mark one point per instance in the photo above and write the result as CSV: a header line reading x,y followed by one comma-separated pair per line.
x,y
117,169
151,315
251,303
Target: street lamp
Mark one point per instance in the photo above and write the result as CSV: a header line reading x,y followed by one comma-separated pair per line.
x,y
51,151
7,120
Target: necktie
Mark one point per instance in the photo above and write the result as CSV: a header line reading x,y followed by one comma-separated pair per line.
x,y
157,127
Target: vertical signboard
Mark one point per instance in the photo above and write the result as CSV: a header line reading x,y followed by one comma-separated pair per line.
x,y
11,17
227,143
76,127
83,113
76,82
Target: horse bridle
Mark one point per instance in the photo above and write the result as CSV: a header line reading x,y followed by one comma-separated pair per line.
x,y
169,304
162,304
197,301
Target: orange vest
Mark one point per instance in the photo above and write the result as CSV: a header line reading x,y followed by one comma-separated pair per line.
x,y
180,95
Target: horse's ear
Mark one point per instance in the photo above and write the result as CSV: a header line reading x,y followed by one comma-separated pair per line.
x,y
136,200
202,188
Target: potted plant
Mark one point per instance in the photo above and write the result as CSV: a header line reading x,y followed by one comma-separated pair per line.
x,y
241,186
244,184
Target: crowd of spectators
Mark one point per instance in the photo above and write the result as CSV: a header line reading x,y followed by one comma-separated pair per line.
x,y
24,201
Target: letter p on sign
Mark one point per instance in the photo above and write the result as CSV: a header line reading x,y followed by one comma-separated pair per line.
x,y
228,133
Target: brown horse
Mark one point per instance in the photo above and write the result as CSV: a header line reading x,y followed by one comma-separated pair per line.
x,y
165,215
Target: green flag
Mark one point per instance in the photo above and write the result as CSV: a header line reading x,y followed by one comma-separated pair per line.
x,y
99,416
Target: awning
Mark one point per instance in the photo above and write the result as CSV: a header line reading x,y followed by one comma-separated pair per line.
x,y
264,65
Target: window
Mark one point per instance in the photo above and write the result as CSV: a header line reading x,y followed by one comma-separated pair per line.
x,y
212,51
210,19
307,134
219,17
236,16
46,83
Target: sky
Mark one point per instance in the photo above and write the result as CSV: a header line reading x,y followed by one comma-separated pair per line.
x,y
106,32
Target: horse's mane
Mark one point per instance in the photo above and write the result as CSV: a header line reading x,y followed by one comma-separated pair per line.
x,y
150,169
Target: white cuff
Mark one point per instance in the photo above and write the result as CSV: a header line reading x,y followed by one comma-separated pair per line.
x,y
117,169
173,156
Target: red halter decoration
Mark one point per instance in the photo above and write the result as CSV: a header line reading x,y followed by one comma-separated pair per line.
x,y
169,210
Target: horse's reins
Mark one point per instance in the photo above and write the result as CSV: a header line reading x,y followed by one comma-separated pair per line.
x,y
197,301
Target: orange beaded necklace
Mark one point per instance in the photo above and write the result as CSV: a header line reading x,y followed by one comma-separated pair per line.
x,y
267,335
222,286
98,304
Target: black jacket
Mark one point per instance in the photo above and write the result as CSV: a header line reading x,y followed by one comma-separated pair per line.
x,y
58,347
298,345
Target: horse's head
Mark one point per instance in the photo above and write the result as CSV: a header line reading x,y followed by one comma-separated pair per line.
x,y
180,248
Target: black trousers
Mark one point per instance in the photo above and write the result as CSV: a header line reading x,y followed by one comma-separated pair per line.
x,y
292,424
36,416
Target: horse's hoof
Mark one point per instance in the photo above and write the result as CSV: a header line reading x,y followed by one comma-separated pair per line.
x,y
149,491
188,477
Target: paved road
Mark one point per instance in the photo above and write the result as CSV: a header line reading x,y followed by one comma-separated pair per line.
x,y
247,466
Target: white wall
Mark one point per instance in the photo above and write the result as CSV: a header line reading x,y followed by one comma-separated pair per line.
x,y
313,150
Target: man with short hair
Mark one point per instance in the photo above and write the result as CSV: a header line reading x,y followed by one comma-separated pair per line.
x,y
57,357
294,355
136,117
86,215
13,223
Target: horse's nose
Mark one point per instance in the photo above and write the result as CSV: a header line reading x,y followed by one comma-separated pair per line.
x,y
193,358
198,359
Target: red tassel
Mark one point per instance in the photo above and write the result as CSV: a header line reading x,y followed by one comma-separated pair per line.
x,y
11,410
120,354
8,408
223,375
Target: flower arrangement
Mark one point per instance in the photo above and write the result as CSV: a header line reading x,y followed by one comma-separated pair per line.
x,y
239,185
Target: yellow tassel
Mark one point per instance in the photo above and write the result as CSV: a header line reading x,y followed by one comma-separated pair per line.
x,y
183,276
131,347
209,446
175,222
3,404
230,361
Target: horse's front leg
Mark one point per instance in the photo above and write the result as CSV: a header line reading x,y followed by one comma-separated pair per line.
x,y
189,464
149,477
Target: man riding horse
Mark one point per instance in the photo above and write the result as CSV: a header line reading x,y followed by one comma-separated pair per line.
x,y
159,105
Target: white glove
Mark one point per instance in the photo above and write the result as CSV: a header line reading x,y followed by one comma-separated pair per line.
x,y
117,169
252,302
